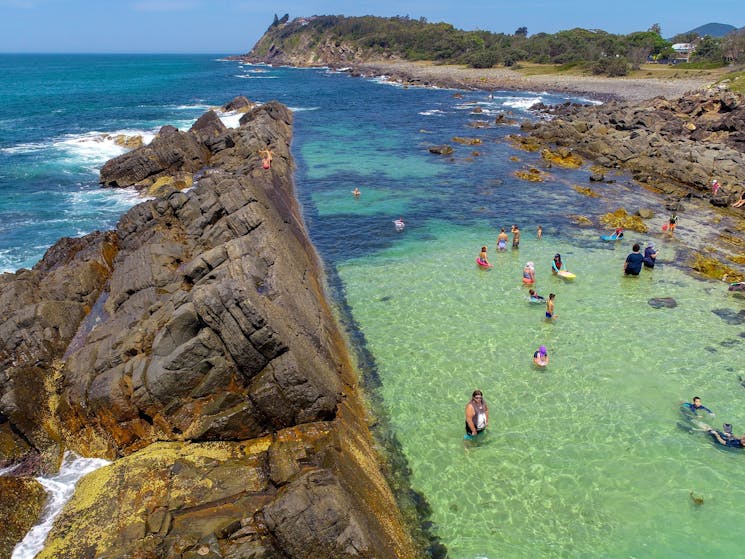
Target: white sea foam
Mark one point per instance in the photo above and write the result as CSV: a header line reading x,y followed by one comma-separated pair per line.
x,y
60,488
432,112
522,103
301,109
246,77
197,107
230,119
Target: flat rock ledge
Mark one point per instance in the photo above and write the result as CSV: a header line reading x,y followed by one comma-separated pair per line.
x,y
193,346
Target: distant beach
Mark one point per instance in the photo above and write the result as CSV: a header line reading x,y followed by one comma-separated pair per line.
x,y
596,87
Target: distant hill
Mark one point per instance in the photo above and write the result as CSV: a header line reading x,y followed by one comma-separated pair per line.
x,y
713,29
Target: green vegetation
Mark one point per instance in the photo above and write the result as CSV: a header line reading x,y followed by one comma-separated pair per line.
x,y
416,39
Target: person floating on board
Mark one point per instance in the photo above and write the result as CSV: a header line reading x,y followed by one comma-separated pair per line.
x,y
477,414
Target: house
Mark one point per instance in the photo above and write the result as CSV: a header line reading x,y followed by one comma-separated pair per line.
x,y
683,52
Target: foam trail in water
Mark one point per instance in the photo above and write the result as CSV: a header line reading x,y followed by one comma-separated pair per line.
x,y
60,488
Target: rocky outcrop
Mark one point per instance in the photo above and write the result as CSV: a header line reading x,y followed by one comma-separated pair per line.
x,y
21,501
193,345
685,142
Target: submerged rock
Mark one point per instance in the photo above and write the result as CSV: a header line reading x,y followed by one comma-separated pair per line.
x,y
663,302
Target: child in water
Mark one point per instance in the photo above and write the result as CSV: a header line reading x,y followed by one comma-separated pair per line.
x,y
534,296
550,306
482,256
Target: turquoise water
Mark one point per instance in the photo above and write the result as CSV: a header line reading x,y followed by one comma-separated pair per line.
x,y
583,459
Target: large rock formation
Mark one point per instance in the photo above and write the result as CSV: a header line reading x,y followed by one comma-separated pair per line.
x,y
666,143
193,346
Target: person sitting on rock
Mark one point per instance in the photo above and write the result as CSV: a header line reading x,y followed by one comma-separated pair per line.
x,y
740,201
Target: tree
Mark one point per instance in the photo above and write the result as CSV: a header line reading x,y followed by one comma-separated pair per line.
x,y
656,29
521,31
285,18
275,23
708,49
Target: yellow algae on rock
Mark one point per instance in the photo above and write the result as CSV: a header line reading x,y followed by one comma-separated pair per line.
x,y
714,269
581,220
467,141
585,191
563,157
525,143
531,174
621,218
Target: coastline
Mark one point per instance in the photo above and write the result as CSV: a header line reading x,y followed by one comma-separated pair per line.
x,y
595,87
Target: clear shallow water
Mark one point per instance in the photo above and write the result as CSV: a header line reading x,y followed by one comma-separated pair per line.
x,y
582,459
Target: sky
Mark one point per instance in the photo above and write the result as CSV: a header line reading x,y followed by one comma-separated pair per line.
x,y
234,26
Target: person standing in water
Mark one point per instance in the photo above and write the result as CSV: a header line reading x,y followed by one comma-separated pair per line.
x,y
356,192
556,265
502,239
672,222
650,255
633,263
515,236
540,233
550,306
477,414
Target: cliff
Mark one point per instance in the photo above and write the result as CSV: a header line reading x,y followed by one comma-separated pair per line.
x,y
193,346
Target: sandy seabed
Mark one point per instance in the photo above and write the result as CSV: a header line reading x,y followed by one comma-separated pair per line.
x,y
600,87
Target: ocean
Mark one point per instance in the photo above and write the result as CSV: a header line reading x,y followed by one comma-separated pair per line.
x,y
589,457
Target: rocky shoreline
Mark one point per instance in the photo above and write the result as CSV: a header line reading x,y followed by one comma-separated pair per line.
x,y
193,346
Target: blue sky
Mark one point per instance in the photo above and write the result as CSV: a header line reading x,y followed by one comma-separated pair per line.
x,y
233,26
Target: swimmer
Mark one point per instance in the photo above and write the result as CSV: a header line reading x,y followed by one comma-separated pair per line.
x,y
502,240
399,224
726,438
356,192
539,233
696,406
540,357
535,296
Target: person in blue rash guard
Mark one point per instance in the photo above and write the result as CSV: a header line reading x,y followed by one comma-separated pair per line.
x,y
696,406
726,438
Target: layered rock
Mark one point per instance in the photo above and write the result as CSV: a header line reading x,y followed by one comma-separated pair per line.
x,y
194,347
666,143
